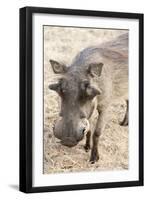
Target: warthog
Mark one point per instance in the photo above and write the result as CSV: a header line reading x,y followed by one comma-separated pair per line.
x,y
87,87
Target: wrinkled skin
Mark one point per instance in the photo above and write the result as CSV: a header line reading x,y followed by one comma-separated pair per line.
x,y
76,105
86,88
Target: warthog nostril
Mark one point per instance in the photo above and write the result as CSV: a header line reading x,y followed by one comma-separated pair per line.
x,y
83,131
81,134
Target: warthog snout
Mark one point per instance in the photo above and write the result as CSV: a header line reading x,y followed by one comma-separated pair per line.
x,y
69,132
68,142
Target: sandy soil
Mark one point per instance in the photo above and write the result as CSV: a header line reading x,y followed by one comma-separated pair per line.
x,y
62,44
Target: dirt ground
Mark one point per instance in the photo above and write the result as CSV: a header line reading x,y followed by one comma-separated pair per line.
x,y
62,44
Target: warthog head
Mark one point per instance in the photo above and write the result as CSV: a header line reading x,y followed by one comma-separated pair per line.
x,y
77,93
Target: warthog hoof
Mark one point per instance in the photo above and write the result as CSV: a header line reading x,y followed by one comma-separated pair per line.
x,y
94,156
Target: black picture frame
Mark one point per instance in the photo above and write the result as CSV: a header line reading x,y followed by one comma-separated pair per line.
x,y
26,170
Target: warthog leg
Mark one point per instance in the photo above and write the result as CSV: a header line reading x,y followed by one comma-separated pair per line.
x,y
98,131
126,118
87,145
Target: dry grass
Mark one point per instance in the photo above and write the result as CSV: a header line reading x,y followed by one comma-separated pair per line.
x,y
63,44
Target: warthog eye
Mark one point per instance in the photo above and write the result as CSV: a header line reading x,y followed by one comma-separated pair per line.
x,y
88,91
60,87
63,85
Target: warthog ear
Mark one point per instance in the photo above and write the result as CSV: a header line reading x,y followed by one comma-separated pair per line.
x,y
58,68
95,69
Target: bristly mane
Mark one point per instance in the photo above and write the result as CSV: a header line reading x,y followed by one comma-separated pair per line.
x,y
116,51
